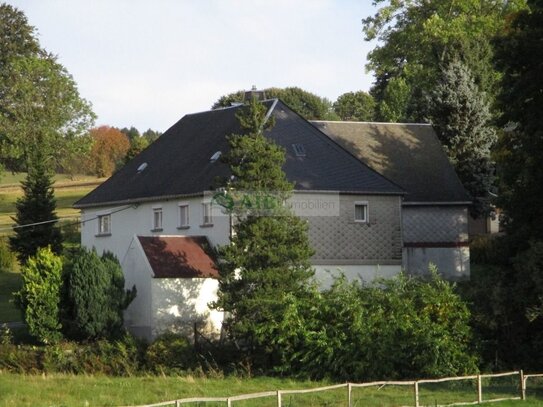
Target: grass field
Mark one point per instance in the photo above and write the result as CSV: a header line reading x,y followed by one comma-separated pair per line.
x,y
64,390
67,191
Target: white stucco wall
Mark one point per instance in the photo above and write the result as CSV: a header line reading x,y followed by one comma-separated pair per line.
x,y
138,318
178,303
138,220
452,262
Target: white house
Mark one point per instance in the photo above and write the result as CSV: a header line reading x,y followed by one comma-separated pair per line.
x,y
159,209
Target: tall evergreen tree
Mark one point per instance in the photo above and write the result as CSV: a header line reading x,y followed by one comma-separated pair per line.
x,y
462,119
37,205
268,257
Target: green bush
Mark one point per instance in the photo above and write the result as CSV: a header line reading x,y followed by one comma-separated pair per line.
x,y
39,296
170,352
488,249
94,296
7,258
393,329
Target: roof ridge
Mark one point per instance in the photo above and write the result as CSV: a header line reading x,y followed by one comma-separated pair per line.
x,y
359,122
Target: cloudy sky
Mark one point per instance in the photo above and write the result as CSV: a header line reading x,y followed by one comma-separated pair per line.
x,y
147,63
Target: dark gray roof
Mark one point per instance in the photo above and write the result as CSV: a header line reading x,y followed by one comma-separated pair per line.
x,y
178,163
411,155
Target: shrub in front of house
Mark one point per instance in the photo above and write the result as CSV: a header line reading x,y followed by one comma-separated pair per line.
x,y
396,328
39,297
94,297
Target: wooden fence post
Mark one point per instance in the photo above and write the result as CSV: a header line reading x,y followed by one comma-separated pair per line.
x,y
279,398
416,394
522,385
177,403
479,389
349,394
228,402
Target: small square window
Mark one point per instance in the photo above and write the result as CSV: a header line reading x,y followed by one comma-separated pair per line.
x,y
361,212
104,224
157,219
207,217
183,216
299,150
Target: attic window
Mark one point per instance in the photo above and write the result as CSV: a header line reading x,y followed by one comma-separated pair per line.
x,y
299,150
215,156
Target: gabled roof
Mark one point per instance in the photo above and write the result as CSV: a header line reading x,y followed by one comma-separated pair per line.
x,y
179,256
178,163
411,155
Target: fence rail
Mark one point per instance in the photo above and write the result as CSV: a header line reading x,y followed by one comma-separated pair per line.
x,y
277,394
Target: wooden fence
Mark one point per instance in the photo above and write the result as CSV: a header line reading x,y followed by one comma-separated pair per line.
x,y
414,384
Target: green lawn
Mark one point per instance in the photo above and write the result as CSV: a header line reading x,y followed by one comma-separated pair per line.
x,y
65,390
9,282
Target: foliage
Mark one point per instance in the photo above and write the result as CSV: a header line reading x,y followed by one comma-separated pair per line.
x,y
38,204
355,106
462,120
396,328
151,135
108,150
122,357
416,38
39,296
306,104
131,133
268,257
394,104
94,296
40,105
520,56
170,353
137,145
7,258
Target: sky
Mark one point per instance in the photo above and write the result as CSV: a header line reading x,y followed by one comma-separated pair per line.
x,y
148,63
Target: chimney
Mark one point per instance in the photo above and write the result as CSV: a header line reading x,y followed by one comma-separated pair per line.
x,y
254,93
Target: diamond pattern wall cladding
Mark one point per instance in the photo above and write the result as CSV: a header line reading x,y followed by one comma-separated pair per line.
x,y
435,224
341,238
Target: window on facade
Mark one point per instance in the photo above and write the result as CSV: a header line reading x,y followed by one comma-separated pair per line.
x,y
157,218
361,212
183,216
104,224
206,208
299,150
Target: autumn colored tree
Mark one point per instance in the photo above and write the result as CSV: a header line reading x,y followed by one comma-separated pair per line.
x,y
109,148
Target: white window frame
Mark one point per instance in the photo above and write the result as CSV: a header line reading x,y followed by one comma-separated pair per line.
x,y
207,218
366,211
180,223
101,229
157,222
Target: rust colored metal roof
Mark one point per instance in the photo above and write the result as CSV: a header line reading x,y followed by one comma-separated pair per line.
x,y
179,256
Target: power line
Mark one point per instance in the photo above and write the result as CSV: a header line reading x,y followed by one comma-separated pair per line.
x,y
79,222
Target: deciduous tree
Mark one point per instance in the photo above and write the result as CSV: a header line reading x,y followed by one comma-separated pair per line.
x,y
355,106
108,150
39,102
416,38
